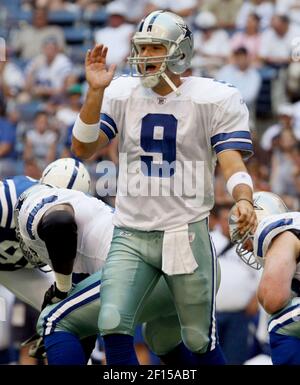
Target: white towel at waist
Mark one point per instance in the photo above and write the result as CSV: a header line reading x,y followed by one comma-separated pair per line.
x,y
177,255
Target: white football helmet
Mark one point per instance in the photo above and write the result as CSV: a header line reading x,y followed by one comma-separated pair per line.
x,y
265,204
67,173
30,255
170,30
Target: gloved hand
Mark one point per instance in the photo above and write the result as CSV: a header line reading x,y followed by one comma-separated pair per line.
x,y
53,295
37,348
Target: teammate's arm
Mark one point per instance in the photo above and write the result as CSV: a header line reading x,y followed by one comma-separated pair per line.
x,y
58,229
87,137
274,291
231,163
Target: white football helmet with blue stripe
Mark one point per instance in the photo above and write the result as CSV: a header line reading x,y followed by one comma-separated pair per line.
x,y
265,204
170,30
67,173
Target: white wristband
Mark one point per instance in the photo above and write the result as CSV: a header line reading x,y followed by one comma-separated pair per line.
x,y
240,177
86,133
63,282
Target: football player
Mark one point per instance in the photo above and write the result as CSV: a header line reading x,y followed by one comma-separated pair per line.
x,y
166,124
276,248
16,273
72,232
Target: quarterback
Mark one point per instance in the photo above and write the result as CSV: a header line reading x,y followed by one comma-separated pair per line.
x,y
276,248
164,121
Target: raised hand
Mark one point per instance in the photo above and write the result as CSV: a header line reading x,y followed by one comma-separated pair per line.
x,y
97,75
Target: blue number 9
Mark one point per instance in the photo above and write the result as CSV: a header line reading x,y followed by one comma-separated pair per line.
x,y
165,145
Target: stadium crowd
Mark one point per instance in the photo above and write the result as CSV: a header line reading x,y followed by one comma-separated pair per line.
x,y
254,45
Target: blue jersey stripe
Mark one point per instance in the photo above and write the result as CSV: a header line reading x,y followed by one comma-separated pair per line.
x,y
9,204
106,118
286,322
267,230
35,210
74,174
107,131
225,136
240,146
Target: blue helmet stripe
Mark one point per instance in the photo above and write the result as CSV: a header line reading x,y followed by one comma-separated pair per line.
x,y
151,22
141,25
74,175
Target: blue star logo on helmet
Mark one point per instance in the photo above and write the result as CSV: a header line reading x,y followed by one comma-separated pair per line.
x,y
186,30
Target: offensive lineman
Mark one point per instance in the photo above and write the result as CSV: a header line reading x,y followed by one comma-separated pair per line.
x,y
276,248
165,123
16,273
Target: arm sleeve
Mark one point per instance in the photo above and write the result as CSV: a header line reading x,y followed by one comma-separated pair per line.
x,y
58,230
230,126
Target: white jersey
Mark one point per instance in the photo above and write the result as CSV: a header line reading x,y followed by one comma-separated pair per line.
x,y
186,131
93,219
270,228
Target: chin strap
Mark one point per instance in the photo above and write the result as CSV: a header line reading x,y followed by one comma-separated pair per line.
x,y
170,83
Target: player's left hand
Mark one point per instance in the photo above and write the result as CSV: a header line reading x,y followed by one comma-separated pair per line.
x,y
36,346
246,217
53,295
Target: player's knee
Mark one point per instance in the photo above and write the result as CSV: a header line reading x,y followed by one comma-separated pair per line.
x,y
195,340
159,341
109,319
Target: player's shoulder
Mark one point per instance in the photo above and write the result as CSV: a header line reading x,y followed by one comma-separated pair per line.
x,y
121,87
276,222
207,90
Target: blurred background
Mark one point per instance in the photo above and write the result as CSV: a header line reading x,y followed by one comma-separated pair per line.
x,y
254,45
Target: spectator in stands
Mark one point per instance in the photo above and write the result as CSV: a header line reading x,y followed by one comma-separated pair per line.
x,y
243,76
46,74
40,146
28,41
276,41
275,52
183,8
263,8
116,36
290,7
211,45
285,121
7,143
249,38
136,10
67,113
12,79
225,11
236,299
284,164
58,5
